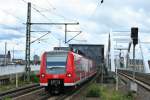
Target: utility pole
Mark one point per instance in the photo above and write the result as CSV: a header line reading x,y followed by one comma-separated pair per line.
x,y
5,63
13,53
65,33
27,56
133,61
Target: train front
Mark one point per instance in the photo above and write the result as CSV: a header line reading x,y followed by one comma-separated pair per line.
x,y
53,71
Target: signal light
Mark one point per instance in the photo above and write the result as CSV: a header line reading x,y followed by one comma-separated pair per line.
x,y
134,35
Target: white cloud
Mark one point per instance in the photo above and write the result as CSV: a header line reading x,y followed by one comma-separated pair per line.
x,y
95,21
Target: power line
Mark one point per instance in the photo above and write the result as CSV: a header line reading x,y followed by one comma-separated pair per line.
x,y
55,10
98,4
49,10
37,10
6,12
51,5
40,13
57,14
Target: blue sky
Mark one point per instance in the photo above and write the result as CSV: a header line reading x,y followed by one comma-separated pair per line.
x,y
95,20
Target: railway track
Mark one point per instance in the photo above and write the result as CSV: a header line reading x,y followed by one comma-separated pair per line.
x,y
70,94
42,95
19,91
140,78
36,92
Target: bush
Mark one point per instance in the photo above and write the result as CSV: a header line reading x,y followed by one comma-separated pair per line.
x,y
34,78
130,95
93,91
106,93
7,98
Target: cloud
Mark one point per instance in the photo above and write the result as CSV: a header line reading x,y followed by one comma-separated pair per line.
x,y
95,21
19,28
9,36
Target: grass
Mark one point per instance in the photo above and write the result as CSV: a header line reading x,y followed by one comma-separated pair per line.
x,y
7,98
93,91
6,87
106,93
12,85
21,82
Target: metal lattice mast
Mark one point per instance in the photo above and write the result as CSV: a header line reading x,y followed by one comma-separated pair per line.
x,y
28,29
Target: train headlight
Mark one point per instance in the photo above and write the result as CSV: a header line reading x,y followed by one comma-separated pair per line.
x,y
42,75
69,75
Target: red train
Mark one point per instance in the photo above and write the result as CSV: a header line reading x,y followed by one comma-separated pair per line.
x,y
61,69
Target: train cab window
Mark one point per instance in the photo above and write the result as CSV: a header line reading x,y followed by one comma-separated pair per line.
x,y
56,62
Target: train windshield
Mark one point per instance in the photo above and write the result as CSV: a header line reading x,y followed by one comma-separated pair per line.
x,y
56,62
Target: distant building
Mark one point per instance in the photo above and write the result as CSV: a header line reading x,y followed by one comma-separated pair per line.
x,y
36,59
18,61
5,59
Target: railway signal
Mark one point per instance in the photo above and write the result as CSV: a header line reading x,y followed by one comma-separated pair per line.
x,y
134,35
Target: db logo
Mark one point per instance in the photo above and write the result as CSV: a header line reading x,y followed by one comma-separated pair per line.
x,y
55,76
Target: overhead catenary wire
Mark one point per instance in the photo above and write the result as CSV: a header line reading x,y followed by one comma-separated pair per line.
x,y
22,21
51,5
6,12
37,10
98,4
40,12
57,13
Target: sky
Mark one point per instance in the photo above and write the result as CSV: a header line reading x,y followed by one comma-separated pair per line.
x,y
96,21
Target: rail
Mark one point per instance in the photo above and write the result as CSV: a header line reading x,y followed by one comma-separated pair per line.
x,y
19,91
142,81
